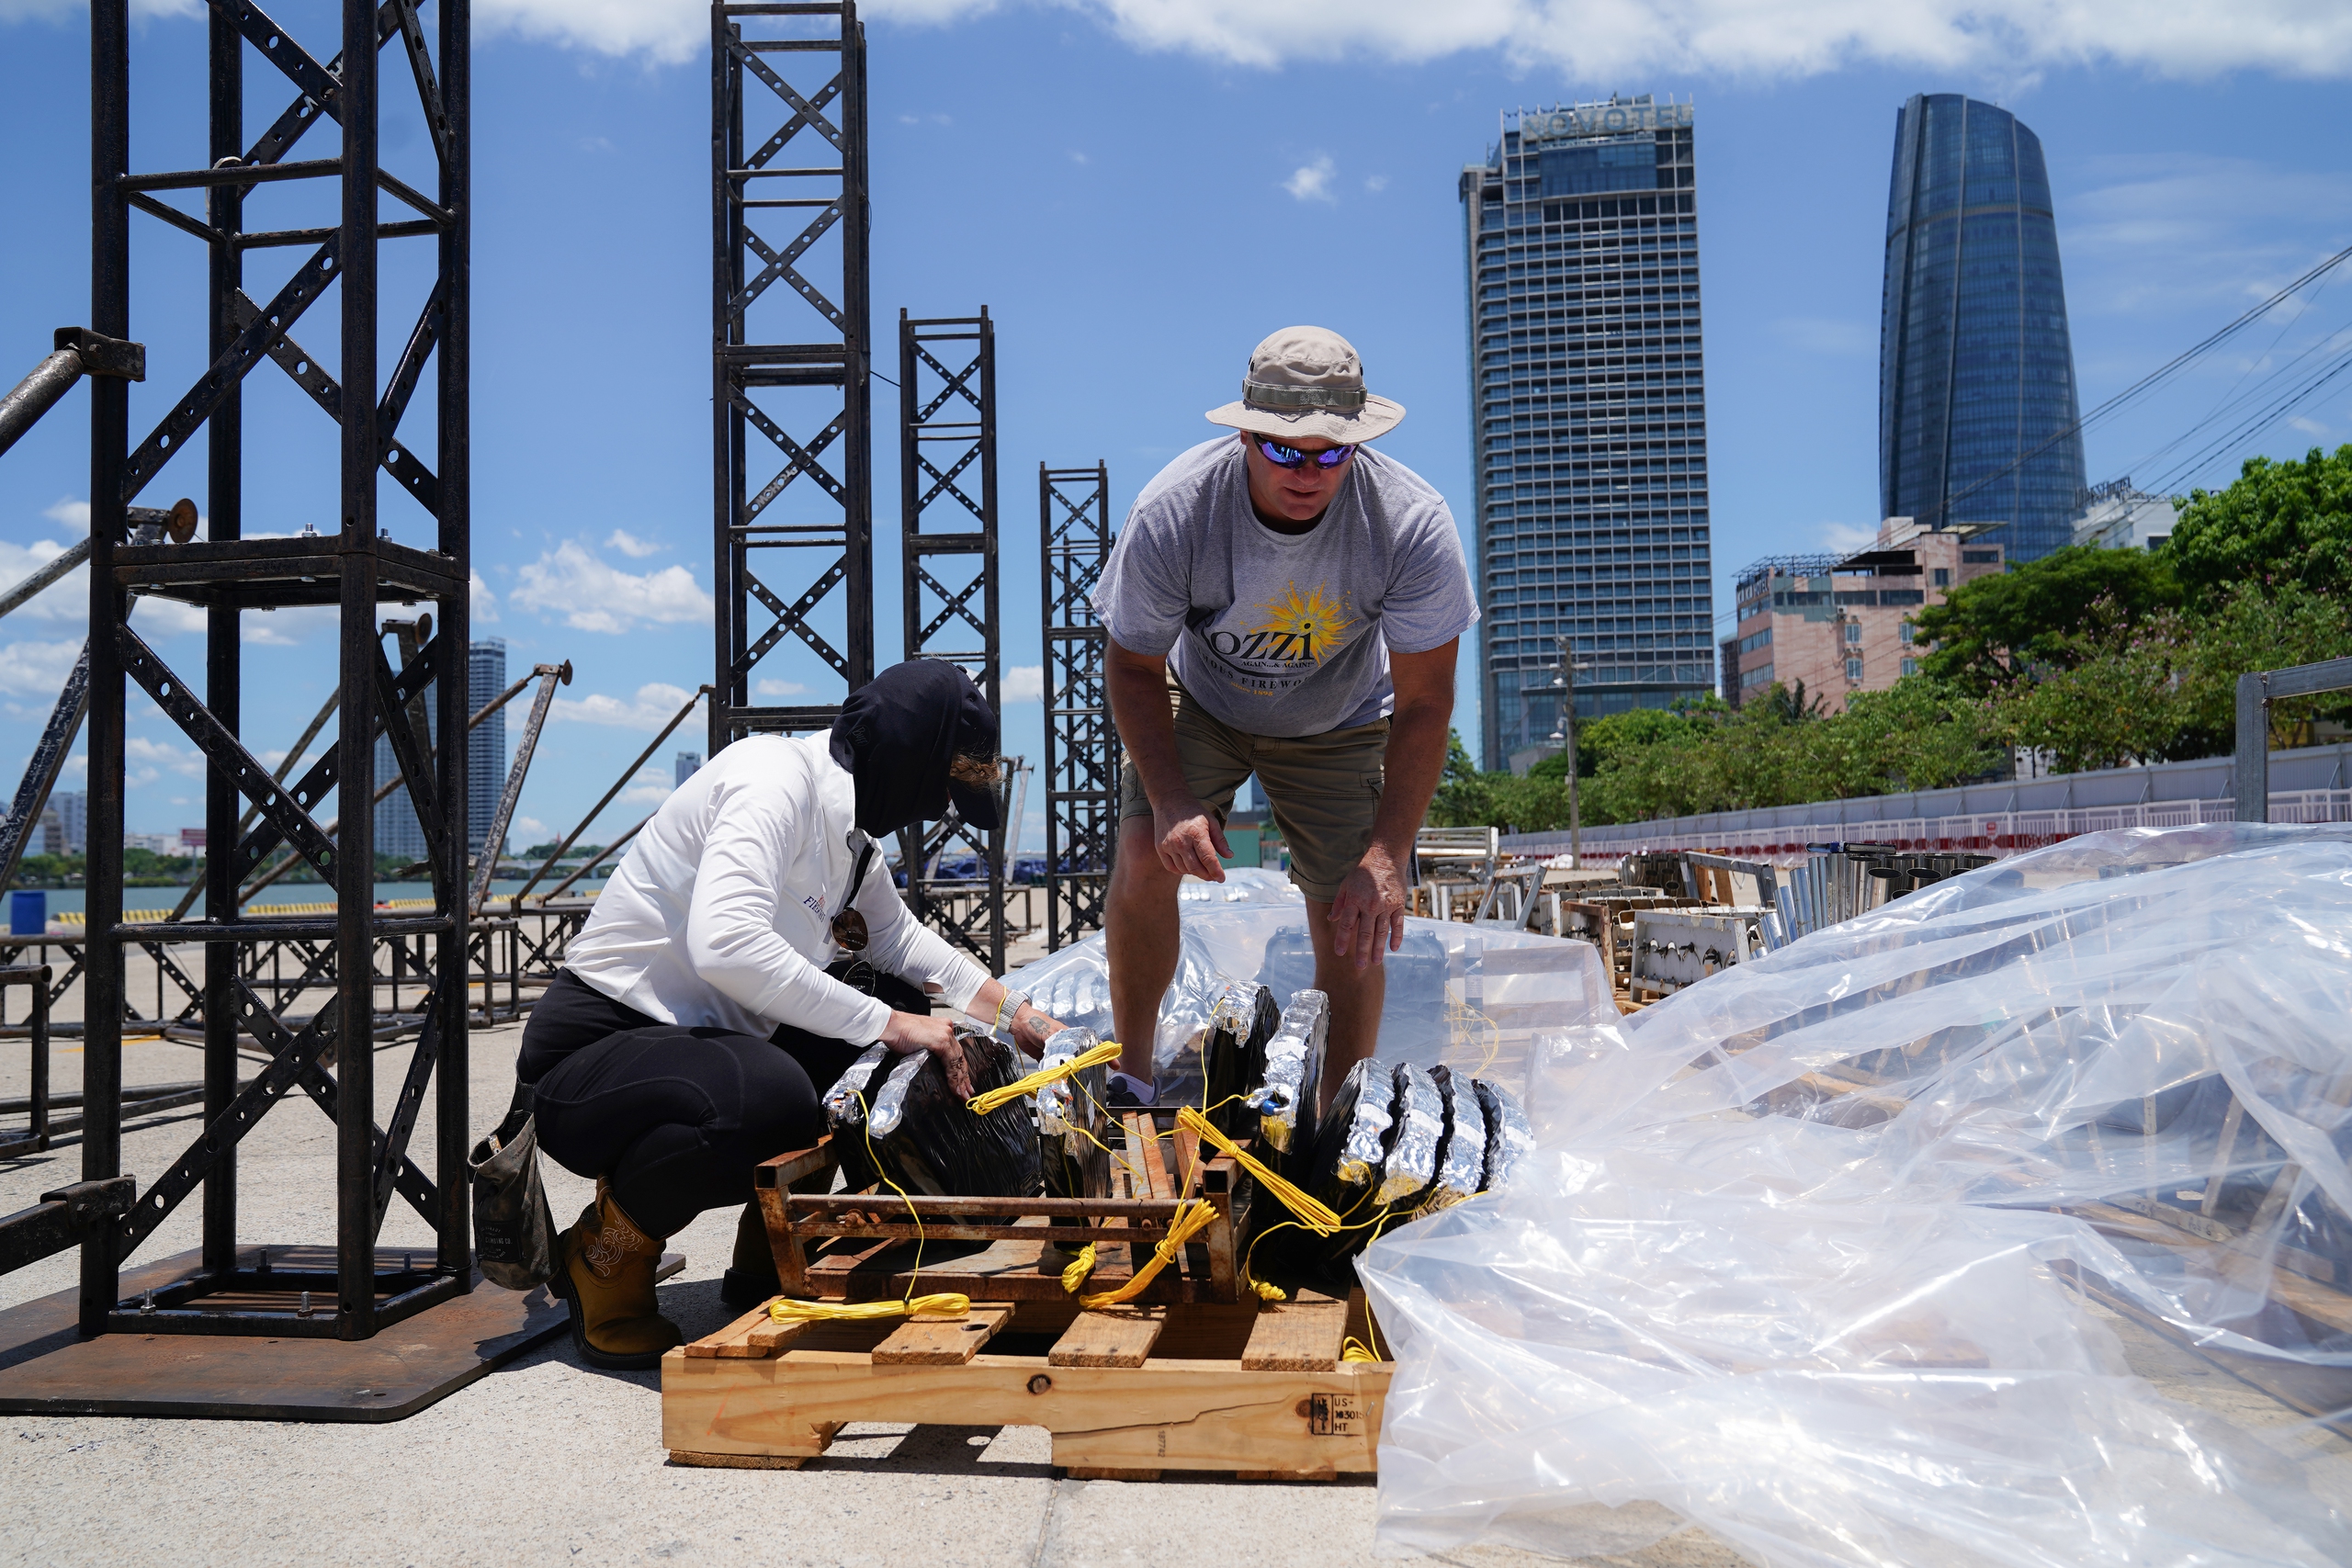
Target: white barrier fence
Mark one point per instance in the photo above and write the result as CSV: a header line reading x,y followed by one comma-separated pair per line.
x,y
1991,832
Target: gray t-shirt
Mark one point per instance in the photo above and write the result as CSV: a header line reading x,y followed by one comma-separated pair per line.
x,y
1285,633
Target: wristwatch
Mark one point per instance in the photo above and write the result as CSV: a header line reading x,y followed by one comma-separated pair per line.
x,y
1008,1008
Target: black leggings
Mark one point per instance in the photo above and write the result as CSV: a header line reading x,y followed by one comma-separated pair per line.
x,y
675,1119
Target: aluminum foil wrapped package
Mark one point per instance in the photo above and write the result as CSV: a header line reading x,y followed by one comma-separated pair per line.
x,y
1285,1101
1461,1159
1357,1126
845,1103
1508,1138
1233,1059
921,1135
1409,1166
1073,1131
2008,1223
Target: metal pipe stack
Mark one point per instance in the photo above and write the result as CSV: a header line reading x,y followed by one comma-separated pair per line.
x,y
1839,882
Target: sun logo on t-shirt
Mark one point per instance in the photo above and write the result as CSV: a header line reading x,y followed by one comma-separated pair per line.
x,y
1299,629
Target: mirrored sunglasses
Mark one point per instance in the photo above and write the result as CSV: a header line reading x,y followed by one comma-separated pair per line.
x,y
1284,457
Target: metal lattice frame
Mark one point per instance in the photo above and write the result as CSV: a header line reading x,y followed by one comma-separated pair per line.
x,y
791,362
349,563
947,484
1082,748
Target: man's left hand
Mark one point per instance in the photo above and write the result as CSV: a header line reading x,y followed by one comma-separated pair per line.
x,y
1368,917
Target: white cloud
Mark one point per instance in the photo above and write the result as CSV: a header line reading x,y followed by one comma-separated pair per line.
x,y
768,688
1376,184
1024,684
1844,537
631,545
284,628
1312,182
655,705
74,514
587,594
65,602
2177,230
37,669
1590,41
482,605
527,831
151,756
1585,40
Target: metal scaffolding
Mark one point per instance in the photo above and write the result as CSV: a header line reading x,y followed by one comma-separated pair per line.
x,y
351,563
790,359
946,452
1081,749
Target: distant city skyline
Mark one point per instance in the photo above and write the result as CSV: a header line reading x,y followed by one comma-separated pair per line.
x,y
1582,250
1977,401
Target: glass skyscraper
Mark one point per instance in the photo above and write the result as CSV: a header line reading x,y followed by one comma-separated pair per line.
x,y
398,832
1976,372
1590,443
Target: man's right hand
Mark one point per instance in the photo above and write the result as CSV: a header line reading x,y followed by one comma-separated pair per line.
x,y
908,1033
1190,840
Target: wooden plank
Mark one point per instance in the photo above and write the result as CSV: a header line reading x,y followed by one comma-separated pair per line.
x,y
738,1462
943,1341
1167,1414
1116,1336
1100,1472
771,1337
1144,1153
734,1339
1301,1334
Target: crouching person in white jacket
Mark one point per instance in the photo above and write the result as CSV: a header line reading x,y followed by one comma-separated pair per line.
x,y
749,945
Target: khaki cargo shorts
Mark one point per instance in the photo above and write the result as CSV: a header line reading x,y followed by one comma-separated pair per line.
x,y
1323,790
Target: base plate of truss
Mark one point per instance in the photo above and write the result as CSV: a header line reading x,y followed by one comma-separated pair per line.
x,y
47,1369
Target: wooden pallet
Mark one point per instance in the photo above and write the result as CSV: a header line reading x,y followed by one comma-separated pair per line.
x,y
1128,1394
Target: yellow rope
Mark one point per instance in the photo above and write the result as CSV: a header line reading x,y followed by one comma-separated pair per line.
x,y
946,1304
1354,1349
1267,1293
1312,1212
990,1099
1080,1267
1190,1220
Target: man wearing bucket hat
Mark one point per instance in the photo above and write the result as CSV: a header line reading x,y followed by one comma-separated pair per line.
x,y
1284,602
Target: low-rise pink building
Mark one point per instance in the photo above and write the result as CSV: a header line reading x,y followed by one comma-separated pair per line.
x,y
1846,624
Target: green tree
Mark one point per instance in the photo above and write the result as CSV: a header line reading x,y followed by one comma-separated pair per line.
x,y
2277,524
1996,629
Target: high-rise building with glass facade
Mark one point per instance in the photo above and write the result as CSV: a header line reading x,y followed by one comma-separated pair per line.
x,y
398,832
1977,408
1591,441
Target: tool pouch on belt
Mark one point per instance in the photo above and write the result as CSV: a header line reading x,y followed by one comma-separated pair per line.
x,y
514,1230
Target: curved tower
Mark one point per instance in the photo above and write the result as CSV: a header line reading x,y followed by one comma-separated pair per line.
x,y
1976,370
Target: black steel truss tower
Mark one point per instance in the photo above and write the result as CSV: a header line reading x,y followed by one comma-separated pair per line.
x,y
947,453
790,358
346,557
1081,749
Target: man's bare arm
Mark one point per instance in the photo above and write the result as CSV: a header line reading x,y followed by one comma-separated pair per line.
x,y
1367,918
1187,834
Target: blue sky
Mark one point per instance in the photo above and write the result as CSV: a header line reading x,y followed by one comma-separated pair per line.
x,y
1139,190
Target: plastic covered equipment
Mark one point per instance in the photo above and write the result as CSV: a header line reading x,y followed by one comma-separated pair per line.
x,y
1072,1125
1472,997
1828,1253
1284,1101
1233,1055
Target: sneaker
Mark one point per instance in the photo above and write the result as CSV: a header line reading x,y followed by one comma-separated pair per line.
x,y
1130,1093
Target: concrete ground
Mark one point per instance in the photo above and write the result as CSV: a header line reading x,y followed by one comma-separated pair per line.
x,y
548,1461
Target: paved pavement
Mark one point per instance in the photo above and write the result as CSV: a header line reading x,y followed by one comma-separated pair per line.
x,y
548,1461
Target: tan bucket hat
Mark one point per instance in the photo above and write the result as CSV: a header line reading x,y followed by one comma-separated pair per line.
x,y
1308,381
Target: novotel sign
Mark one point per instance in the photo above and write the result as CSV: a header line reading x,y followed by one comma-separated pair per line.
x,y
1601,119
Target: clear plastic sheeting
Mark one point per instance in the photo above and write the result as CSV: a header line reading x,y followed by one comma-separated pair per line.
x,y
1808,1254
1473,997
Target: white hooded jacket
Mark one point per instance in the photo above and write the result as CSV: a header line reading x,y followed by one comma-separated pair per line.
x,y
721,913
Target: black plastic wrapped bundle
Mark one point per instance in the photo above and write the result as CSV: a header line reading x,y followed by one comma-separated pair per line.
x,y
920,1135
1233,1059
1073,1128
845,1103
1462,1159
1285,1102
1509,1138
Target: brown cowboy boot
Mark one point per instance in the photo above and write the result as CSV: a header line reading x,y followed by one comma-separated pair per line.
x,y
607,1274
